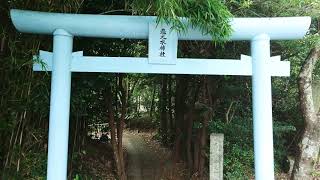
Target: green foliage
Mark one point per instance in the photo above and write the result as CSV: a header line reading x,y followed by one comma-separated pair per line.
x,y
316,174
237,163
82,177
142,122
34,165
274,8
70,6
238,146
291,7
32,159
210,16
24,99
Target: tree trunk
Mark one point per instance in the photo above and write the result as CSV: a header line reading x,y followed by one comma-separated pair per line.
x,y
121,125
181,89
203,144
310,141
152,101
170,118
192,116
189,140
196,152
163,109
118,157
112,128
130,89
138,106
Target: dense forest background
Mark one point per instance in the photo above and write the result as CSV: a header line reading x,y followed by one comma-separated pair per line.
x,y
184,109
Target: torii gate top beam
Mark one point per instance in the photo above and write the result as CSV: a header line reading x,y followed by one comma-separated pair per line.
x,y
136,27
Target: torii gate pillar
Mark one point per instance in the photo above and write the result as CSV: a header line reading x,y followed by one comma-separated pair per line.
x,y
262,108
59,105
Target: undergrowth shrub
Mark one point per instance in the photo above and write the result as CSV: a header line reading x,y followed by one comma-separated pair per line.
x,y
239,150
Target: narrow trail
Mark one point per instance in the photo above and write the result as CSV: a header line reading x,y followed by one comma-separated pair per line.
x,y
144,162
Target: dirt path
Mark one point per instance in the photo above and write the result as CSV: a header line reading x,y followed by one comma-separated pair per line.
x,y
144,160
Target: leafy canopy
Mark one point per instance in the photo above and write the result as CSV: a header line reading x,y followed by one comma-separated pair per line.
x,y
210,16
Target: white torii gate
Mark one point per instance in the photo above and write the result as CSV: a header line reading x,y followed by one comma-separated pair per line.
x,y
63,61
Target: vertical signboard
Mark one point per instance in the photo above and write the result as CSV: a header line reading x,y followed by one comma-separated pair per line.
x,y
216,156
163,44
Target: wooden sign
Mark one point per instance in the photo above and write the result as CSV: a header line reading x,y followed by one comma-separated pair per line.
x,y
163,44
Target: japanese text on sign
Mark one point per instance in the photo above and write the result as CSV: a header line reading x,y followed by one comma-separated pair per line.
x,y
163,38
163,44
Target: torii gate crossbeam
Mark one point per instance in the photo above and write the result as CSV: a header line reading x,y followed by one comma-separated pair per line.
x,y
63,61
